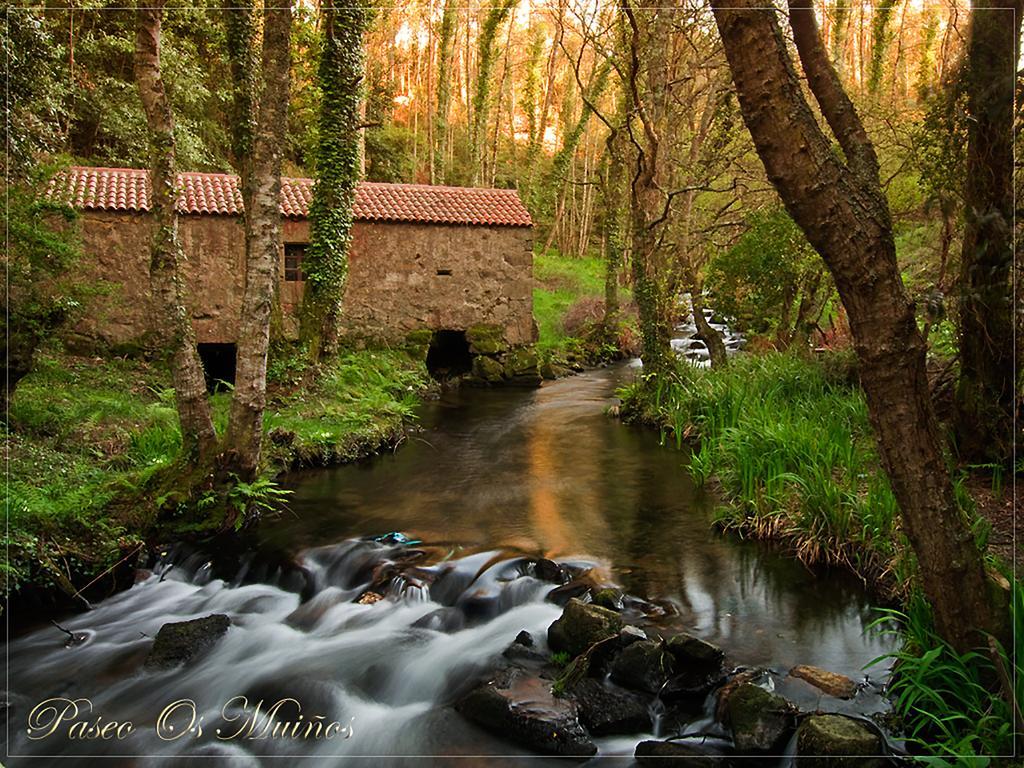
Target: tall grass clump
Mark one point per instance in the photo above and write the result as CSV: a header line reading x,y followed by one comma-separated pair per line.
x,y
791,445
955,709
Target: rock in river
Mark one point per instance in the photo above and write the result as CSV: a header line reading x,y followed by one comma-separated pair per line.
x,y
606,711
831,683
580,626
834,741
760,720
183,641
643,666
520,707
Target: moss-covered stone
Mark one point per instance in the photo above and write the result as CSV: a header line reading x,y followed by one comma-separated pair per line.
x,y
834,741
488,370
521,361
580,626
760,720
486,339
417,343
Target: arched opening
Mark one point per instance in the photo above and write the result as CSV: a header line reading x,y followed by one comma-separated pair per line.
x,y
449,355
218,365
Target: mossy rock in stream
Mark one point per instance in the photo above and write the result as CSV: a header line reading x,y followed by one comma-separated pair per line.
x,y
486,339
835,741
580,626
760,721
183,641
488,370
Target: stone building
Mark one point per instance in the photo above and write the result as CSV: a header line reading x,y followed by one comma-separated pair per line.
x,y
443,260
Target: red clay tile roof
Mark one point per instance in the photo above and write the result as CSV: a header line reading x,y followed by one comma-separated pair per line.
x,y
127,189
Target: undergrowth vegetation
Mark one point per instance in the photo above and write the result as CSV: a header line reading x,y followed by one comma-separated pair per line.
x,y
568,305
946,701
790,443
88,438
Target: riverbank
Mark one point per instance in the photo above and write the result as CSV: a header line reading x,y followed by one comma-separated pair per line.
x,y
568,304
89,438
789,441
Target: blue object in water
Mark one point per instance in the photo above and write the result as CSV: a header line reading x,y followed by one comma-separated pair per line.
x,y
396,537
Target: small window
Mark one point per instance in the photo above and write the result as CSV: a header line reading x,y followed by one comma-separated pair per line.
x,y
294,254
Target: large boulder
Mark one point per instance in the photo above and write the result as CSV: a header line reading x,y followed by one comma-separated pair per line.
x,y
834,741
521,707
580,626
606,711
184,641
831,683
760,721
643,666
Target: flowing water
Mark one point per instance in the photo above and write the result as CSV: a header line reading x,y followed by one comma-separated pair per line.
x,y
493,480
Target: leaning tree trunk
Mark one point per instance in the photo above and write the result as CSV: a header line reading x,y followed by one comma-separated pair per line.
x,y
712,338
985,390
843,212
174,321
263,243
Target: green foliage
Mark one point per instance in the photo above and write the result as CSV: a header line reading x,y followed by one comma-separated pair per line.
x,y
945,700
88,438
34,95
880,38
388,155
794,453
760,281
251,500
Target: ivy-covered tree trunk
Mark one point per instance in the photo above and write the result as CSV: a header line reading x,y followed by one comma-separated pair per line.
x,y
173,318
614,244
263,246
880,36
839,204
985,391
571,141
445,59
340,74
487,54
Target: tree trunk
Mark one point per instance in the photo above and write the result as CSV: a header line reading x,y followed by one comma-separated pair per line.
x,y
445,59
174,320
712,339
497,13
263,244
341,74
841,209
985,391
613,240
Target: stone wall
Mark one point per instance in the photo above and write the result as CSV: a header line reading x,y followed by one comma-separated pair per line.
x,y
402,277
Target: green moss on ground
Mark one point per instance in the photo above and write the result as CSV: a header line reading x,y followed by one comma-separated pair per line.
x,y
91,441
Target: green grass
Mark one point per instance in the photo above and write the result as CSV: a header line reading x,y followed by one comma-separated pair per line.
x,y
563,280
88,434
947,703
793,450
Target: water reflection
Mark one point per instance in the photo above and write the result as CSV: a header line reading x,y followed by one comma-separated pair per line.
x,y
546,472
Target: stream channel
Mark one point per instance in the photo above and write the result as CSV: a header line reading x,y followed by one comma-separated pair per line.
x,y
492,481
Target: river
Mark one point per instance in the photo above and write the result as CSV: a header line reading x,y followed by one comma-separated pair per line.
x,y
492,480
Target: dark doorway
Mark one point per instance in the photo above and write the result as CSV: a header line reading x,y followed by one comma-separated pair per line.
x,y
449,355
218,365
